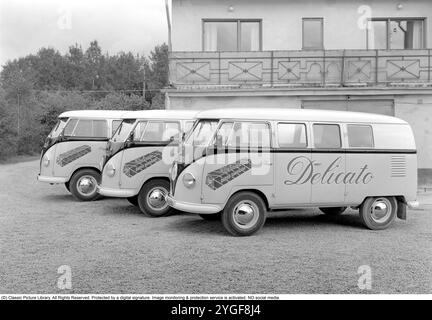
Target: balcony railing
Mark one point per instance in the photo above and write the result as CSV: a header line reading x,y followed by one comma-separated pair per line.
x,y
334,68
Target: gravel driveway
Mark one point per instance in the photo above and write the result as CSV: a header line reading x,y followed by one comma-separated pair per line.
x,y
112,248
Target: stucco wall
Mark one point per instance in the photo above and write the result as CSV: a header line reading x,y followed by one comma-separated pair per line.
x,y
282,20
418,113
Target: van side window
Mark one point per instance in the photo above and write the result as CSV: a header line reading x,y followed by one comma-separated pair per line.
x,y
327,136
161,131
250,135
292,135
100,129
360,136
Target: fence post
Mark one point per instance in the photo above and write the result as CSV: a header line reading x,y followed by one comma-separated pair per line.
x,y
324,68
343,69
376,66
219,68
271,68
429,65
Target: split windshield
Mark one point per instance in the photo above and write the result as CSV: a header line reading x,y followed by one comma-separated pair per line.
x,y
123,131
202,133
58,128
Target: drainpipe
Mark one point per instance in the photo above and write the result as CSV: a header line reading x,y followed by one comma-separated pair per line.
x,y
169,25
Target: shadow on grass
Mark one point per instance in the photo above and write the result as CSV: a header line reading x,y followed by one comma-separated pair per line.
x,y
276,222
349,219
58,198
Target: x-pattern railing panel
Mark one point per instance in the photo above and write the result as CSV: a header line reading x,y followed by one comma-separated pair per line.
x,y
304,68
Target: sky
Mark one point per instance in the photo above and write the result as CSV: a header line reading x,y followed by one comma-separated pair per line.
x,y
118,25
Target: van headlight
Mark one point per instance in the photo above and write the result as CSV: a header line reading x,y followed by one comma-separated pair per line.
x,y
46,161
110,170
173,171
188,180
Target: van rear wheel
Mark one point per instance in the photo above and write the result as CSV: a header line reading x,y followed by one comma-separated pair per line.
x,y
378,213
83,184
151,199
244,214
335,211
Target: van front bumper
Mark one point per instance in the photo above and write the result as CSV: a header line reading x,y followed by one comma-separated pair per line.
x,y
52,180
193,207
117,193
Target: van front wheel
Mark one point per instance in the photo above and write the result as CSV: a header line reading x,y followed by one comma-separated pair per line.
x,y
336,211
244,214
151,199
378,213
83,184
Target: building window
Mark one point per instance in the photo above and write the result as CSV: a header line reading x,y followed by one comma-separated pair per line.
x,y
313,33
396,33
232,35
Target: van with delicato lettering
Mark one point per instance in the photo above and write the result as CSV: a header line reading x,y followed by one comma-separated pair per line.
x,y
238,164
140,154
73,152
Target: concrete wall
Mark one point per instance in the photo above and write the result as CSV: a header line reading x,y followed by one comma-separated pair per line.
x,y
416,111
282,20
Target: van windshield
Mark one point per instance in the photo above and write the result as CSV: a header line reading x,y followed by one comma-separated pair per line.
x,y
58,128
123,131
202,133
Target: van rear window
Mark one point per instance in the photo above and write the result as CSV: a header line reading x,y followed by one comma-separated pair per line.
x,y
360,136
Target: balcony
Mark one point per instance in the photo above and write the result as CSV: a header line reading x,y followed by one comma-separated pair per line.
x,y
301,69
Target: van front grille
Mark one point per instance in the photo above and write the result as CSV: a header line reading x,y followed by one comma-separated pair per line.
x,y
398,166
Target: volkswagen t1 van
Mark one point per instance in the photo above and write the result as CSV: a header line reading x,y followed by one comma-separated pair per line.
x,y
238,164
140,154
74,150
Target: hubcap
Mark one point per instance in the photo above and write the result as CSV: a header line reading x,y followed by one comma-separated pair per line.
x,y
156,198
246,214
86,185
381,210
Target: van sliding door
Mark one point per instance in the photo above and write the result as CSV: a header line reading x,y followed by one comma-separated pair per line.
x,y
328,165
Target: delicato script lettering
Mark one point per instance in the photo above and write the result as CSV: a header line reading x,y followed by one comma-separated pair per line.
x,y
303,170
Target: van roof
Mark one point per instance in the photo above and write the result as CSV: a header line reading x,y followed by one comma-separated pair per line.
x,y
162,114
94,114
297,115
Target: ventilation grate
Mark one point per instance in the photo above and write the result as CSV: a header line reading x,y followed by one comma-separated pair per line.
x,y
398,166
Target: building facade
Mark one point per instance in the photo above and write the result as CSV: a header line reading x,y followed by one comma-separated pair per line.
x,y
370,56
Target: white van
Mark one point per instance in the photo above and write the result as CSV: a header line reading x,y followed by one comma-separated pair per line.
x,y
241,163
73,152
140,154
